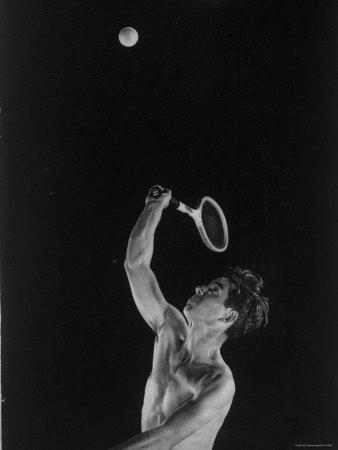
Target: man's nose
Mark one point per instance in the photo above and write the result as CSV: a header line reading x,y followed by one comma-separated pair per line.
x,y
199,290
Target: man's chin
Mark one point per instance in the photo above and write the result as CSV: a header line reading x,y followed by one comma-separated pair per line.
x,y
186,310
189,305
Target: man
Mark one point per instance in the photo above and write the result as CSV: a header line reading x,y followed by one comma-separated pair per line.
x,y
190,389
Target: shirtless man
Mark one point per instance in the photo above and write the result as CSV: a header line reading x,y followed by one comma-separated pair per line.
x,y
190,389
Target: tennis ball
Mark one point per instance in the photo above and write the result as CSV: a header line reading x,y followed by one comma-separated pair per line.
x,y
128,36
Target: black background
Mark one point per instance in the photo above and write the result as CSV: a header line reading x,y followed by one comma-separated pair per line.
x,y
235,100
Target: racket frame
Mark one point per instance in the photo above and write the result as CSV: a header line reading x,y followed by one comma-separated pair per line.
x,y
196,215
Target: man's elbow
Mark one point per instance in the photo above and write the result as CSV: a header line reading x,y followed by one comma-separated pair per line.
x,y
130,265
134,264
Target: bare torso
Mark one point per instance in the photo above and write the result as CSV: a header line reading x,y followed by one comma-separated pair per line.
x,y
175,379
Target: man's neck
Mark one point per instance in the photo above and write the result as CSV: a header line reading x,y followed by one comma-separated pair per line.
x,y
204,345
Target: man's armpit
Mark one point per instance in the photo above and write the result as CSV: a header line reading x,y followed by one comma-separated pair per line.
x,y
174,320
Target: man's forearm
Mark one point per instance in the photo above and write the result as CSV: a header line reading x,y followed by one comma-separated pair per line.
x,y
149,440
141,241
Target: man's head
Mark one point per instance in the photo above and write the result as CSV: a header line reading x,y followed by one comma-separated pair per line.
x,y
233,301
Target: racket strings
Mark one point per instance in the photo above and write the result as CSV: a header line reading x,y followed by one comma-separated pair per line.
x,y
213,225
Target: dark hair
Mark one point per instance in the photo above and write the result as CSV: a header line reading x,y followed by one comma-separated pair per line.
x,y
245,297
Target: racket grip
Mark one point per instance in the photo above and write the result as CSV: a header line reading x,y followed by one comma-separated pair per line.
x,y
174,202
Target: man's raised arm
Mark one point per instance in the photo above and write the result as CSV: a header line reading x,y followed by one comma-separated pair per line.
x,y
144,286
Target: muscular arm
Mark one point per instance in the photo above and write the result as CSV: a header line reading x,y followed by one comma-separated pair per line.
x,y
141,241
143,283
185,421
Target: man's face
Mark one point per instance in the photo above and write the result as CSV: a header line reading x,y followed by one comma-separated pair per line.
x,y
207,304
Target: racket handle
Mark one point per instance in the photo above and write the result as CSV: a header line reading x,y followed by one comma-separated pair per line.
x,y
174,202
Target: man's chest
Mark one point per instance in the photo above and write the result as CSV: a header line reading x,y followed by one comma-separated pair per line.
x,y
173,381
170,384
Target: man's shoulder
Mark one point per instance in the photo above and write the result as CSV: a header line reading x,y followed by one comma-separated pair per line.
x,y
226,382
223,377
227,374
217,392
220,381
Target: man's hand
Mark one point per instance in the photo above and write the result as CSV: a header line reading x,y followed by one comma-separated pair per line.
x,y
159,196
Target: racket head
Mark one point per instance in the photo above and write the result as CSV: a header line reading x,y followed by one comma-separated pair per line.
x,y
212,225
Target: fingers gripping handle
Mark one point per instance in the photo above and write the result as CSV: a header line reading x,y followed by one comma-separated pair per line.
x,y
157,191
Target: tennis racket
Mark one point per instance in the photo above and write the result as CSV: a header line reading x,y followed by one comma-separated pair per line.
x,y
208,217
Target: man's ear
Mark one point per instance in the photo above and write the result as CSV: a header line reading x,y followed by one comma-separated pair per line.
x,y
230,316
